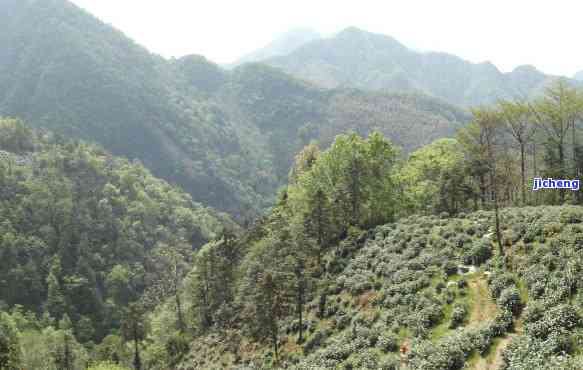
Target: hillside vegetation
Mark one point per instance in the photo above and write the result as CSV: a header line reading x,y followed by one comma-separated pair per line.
x,y
227,138
83,235
381,230
369,61
412,295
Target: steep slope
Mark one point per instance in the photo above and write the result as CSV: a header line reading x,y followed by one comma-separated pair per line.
x,y
377,62
226,137
82,231
432,293
282,45
63,69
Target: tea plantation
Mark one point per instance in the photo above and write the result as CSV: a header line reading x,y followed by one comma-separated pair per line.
x,y
433,293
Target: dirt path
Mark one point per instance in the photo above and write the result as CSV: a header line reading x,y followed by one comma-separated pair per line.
x,y
484,308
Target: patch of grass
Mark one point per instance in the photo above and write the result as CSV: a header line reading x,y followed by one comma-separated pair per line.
x,y
479,362
403,334
443,327
523,291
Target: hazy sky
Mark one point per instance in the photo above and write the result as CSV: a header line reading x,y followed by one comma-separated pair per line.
x,y
508,33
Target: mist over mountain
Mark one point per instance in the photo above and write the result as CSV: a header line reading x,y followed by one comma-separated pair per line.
x,y
228,138
370,61
282,45
328,203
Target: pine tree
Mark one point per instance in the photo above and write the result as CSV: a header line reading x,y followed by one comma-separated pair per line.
x,y
56,304
133,329
10,356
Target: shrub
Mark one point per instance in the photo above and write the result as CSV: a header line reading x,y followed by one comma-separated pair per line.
x,y
390,363
387,343
552,228
450,268
502,323
510,300
556,319
107,366
366,360
570,215
342,320
479,253
458,316
498,282
315,341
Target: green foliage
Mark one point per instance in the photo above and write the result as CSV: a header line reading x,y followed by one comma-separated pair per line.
x,y
81,230
434,179
227,137
370,61
107,366
10,356
351,184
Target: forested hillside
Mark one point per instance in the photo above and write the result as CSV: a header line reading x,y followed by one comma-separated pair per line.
x,y
369,223
368,261
83,235
227,138
369,61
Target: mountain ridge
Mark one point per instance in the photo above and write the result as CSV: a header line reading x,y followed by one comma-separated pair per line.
x,y
281,45
370,61
218,134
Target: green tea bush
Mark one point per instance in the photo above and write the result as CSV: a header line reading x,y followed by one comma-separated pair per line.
x,y
571,215
479,252
315,340
497,282
510,300
388,343
390,363
458,315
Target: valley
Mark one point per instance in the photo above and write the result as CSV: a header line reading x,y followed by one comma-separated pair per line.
x,y
332,201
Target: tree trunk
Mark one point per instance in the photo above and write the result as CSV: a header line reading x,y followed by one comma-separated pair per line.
x,y
179,314
137,360
320,215
496,213
68,363
275,344
534,171
562,168
574,144
483,191
523,173
355,191
300,311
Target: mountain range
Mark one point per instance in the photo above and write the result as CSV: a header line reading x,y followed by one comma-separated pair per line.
x,y
370,61
227,137
282,45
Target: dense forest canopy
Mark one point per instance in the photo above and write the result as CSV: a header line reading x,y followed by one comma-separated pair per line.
x,y
84,234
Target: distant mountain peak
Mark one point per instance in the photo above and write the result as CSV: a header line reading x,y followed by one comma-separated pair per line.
x,y
354,32
282,45
357,58
526,68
